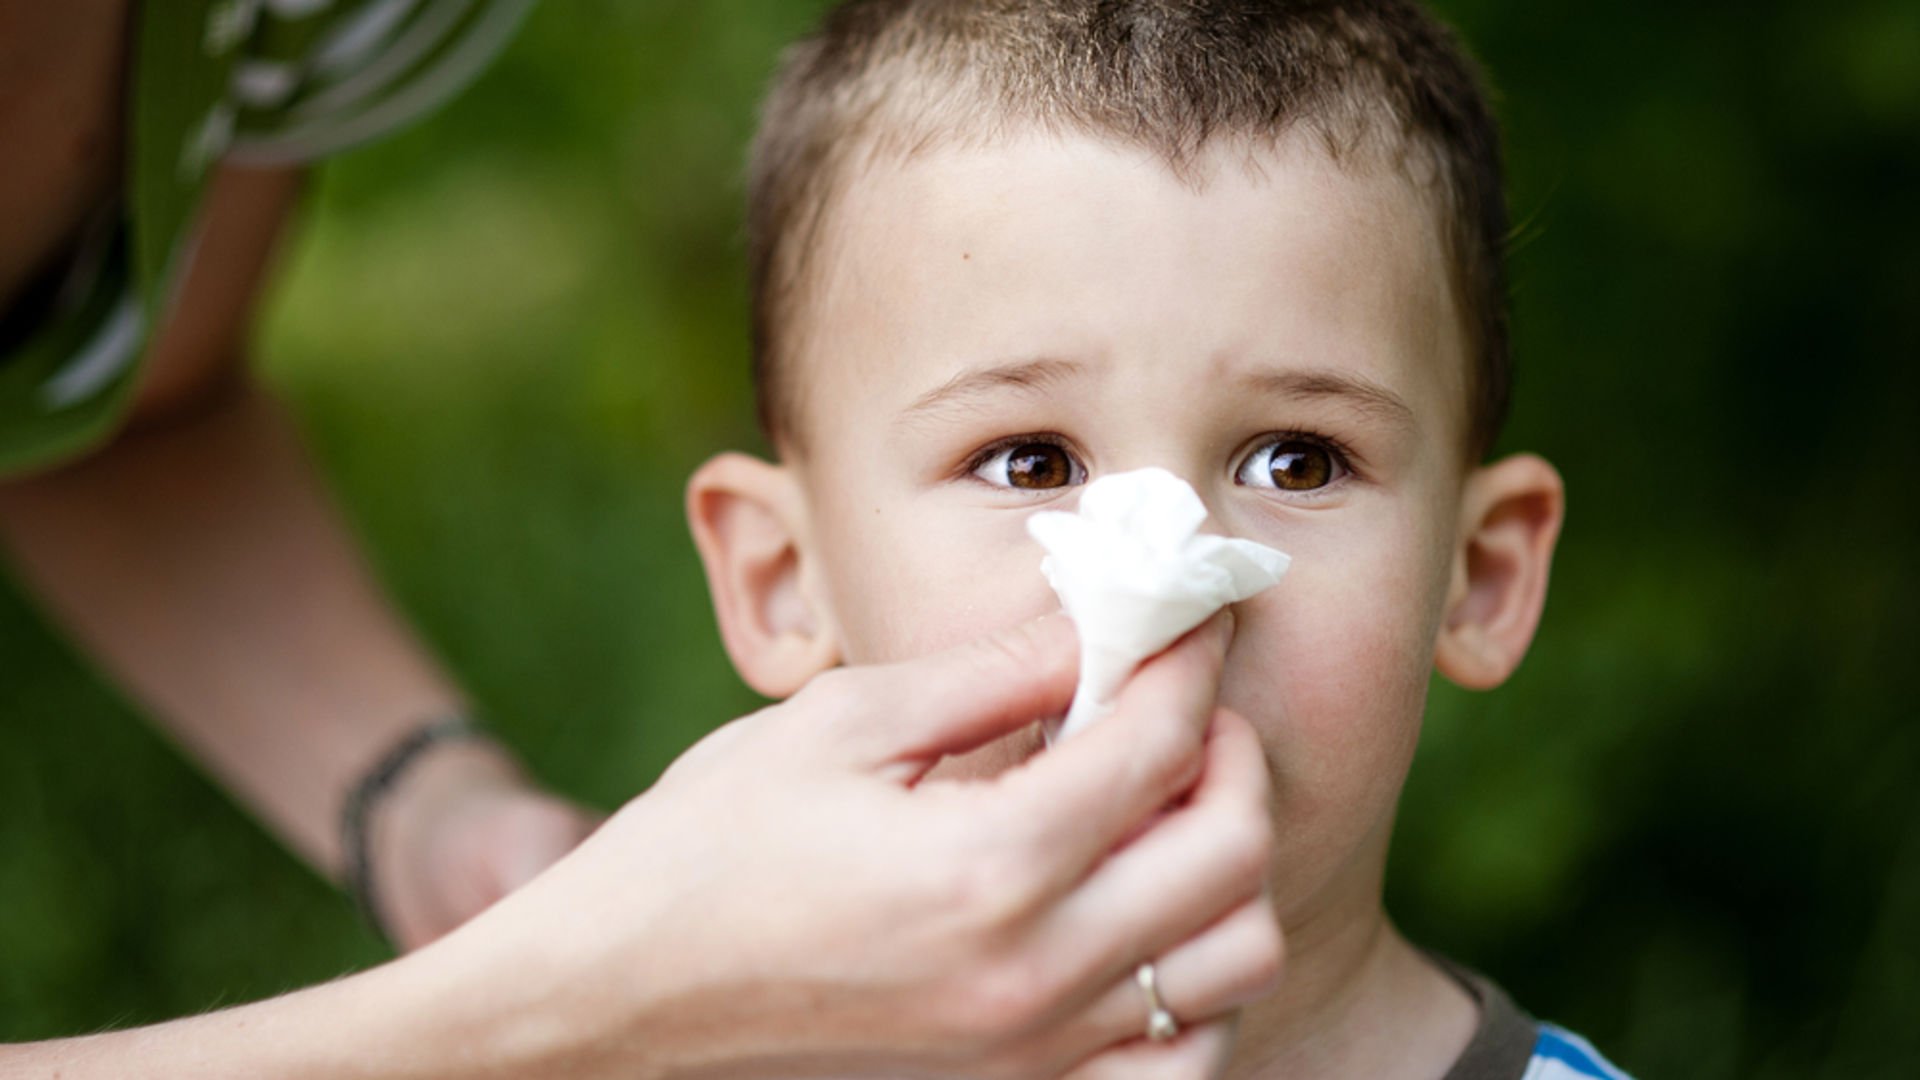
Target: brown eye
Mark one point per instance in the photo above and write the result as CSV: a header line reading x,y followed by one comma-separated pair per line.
x,y
1030,466
1298,465
1036,466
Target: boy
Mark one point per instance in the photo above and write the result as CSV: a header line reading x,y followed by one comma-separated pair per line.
x,y
1000,248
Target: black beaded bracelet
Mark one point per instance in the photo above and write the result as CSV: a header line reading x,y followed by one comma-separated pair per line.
x,y
355,844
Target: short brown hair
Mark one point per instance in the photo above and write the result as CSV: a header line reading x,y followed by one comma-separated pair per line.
x,y
896,76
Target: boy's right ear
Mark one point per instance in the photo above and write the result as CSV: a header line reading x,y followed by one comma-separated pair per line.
x,y
749,522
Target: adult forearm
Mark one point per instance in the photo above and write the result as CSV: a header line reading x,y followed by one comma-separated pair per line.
x,y
202,565
274,1038
920,926
405,1021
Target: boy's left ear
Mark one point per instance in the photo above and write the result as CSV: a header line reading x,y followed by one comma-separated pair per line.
x,y
749,522
1510,518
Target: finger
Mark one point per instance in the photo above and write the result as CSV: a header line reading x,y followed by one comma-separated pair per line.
x,y
1074,803
904,717
1229,965
1210,977
1197,1053
1188,870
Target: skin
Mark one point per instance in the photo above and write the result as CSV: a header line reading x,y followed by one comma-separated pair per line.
x,y
1064,288
971,930
285,672
979,931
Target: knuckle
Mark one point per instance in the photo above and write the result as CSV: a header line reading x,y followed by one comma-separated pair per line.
x,y
1260,954
1183,757
1176,759
1258,781
1247,848
1003,651
1035,654
994,892
1267,958
1010,998
1020,653
830,692
835,702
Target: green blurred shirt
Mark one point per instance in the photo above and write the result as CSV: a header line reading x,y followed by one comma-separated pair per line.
x,y
257,82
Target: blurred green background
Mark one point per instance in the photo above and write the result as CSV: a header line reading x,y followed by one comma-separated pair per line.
x,y
1690,827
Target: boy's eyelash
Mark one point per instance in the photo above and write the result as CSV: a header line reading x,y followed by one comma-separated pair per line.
x,y
986,453
1339,448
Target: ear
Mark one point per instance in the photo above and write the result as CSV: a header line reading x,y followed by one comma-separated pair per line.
x,y
749,522
1510,515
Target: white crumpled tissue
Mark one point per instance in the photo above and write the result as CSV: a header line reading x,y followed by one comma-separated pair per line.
x,y
1134,573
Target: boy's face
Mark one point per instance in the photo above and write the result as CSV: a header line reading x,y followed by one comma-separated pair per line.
x,y
991,326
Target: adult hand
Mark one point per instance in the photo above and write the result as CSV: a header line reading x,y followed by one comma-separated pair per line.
x,y
797,897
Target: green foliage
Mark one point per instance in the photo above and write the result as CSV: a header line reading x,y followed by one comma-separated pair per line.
x,y
1689,828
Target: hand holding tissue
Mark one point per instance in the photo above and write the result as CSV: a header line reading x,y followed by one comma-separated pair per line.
x,y
1134,573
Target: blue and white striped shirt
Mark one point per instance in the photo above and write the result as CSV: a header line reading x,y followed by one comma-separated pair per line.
x,y
1559,1054
1510,1045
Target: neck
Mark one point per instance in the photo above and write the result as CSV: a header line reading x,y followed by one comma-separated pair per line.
x,y
1350,982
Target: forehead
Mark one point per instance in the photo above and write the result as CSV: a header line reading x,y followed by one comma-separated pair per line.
x,y
1079,247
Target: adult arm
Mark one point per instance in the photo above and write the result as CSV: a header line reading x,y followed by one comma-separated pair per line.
x,y
198,560
796,897
386,1024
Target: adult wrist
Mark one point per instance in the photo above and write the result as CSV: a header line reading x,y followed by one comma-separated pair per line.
x,y
486,1000
529,989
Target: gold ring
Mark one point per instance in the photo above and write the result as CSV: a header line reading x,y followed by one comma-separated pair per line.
x,y
1161,1025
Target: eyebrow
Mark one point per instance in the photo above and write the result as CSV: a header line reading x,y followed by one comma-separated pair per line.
x,y
1361,394
966,389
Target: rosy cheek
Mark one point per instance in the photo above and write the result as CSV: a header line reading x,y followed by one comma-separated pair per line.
x,y
937,581
1327,668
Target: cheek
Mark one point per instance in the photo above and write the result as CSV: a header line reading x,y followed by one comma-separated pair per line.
x,y
1330,675
1332,668
904,582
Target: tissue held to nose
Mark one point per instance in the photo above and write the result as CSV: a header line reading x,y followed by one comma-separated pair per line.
x,y
1134,573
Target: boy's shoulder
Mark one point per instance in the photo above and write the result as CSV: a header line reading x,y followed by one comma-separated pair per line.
x,y
1510,1045
1559,1054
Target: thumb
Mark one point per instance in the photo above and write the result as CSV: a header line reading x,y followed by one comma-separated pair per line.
x,y
953,701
